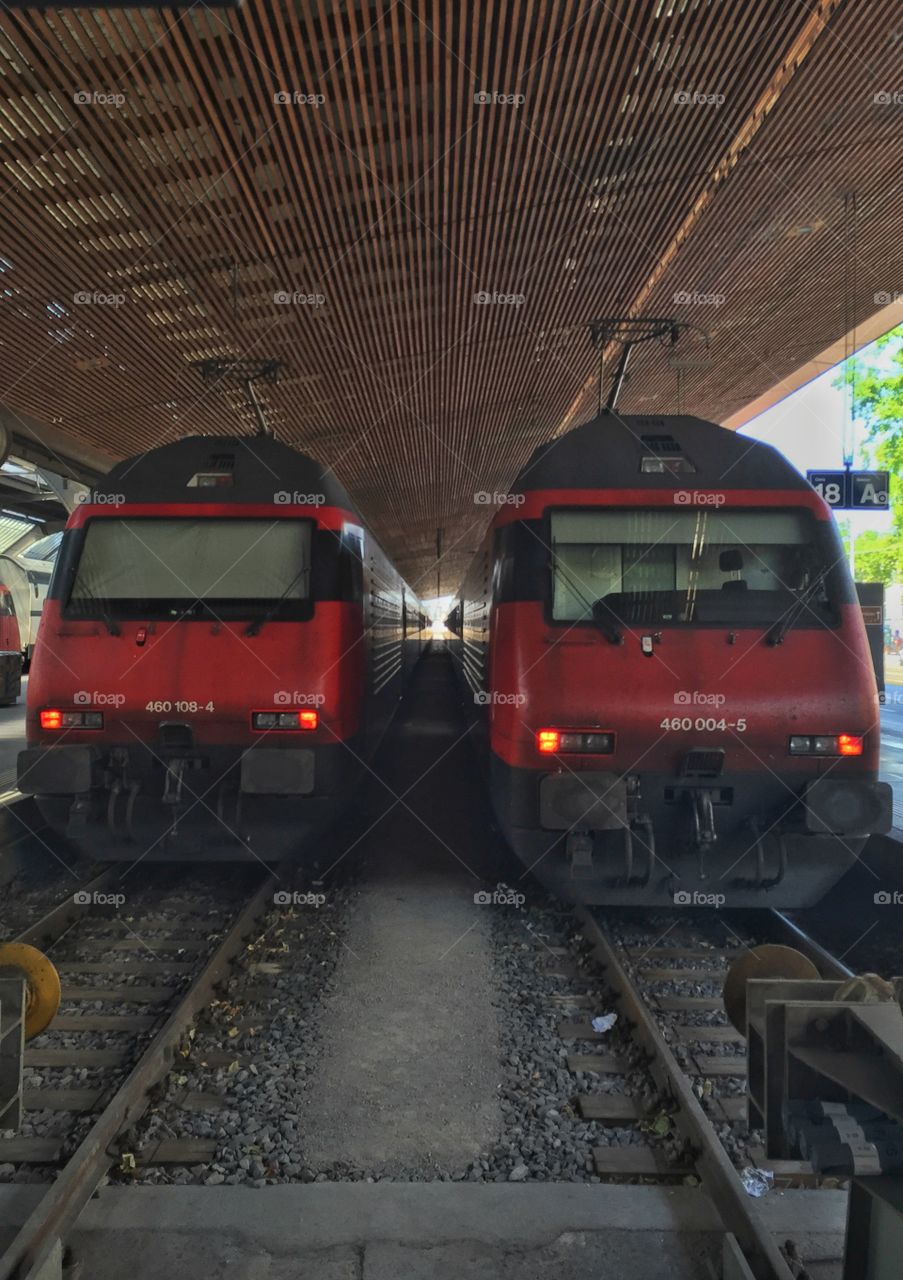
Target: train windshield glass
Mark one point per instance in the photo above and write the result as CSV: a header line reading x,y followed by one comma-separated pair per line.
x,y
685,566
231,568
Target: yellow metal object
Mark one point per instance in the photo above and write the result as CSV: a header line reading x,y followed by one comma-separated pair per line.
x,y
767,961
42,984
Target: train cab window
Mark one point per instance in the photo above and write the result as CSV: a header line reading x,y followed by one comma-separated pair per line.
x,y
679,566
7,608
187,567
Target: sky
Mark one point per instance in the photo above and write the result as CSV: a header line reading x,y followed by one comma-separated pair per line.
x,y
808,428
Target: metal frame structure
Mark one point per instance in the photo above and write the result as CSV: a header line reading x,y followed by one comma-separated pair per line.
x,y
826,1083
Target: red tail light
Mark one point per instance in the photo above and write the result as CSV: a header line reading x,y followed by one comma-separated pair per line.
x,y
55,719
575,741
268,720
839,744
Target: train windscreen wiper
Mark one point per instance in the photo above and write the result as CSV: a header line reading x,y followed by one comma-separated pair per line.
x,y
254,628
109,621
605,624
606,620
779,629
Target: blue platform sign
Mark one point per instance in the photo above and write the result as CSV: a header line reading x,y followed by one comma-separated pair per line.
x,y
852,490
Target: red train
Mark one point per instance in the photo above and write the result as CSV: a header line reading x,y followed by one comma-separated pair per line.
x,y
222,647
10,650
662,648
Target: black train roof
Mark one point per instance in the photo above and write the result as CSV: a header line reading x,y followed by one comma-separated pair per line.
x,y
262,471
606,453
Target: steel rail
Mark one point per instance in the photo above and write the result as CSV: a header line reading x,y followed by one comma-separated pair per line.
x,y
740,1215
36,1251
828,966
54,923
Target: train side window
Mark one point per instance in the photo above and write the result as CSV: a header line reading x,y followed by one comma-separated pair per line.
x,y
352,563
520,562
63,573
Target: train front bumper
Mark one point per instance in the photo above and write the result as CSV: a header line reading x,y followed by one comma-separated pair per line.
x,y
74,770
751,840
603,801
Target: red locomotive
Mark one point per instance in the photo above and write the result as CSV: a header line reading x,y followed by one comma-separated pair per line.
x,y
222,646
662,647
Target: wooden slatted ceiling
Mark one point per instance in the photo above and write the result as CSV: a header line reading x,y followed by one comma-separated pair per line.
x,y
396,197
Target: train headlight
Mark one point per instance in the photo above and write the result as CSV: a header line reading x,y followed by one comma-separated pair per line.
x,y
52,718
838,744
577,741
290,720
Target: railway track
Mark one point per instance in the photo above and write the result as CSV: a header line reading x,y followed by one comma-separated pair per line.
x,y
162,962
658,1098
689,1116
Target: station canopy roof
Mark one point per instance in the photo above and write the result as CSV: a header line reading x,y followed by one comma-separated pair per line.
x,y
417,208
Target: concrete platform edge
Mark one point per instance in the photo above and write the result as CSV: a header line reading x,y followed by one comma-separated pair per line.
x,y
287,1217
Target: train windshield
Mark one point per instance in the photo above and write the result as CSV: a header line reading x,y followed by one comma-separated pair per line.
x,y
189,567
687,566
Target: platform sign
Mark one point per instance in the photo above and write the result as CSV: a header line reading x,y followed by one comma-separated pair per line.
x,y
852,490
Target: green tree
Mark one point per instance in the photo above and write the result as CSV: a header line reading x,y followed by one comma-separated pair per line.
x,y
879,557
876,384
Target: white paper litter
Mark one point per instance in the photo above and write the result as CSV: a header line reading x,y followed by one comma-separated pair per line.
x,y
757,1181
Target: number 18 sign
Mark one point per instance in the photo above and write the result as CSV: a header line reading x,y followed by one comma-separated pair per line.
x,y
852,490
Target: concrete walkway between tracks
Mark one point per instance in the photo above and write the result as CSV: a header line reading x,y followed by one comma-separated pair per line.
x,y
409,1079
